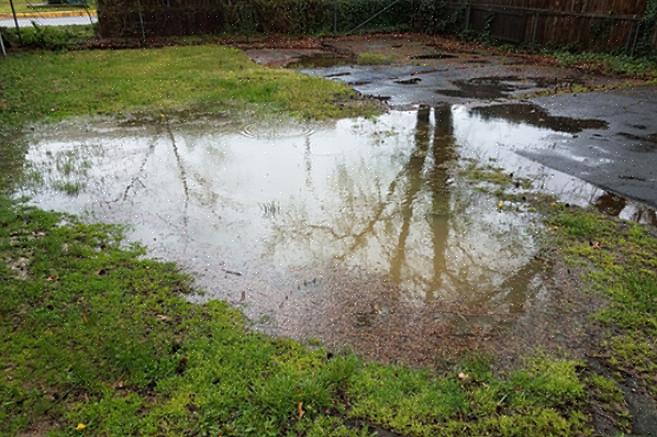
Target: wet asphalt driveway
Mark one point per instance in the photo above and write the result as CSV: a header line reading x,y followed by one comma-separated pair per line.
x,y
620,157
619,154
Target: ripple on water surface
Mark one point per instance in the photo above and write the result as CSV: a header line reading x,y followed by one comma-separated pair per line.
x,y
361,232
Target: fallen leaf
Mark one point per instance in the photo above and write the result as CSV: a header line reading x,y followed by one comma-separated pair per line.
x,y
162,318
300,409
81,427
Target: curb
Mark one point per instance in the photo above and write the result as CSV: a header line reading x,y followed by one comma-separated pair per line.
x,y
48,14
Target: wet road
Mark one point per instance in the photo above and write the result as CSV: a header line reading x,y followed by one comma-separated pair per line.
x,y
49,21
618,154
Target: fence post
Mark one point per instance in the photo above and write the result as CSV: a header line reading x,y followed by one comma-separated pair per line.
x,y
468,12
637,29
18,29
535,28
335,17
413,15
141,21
2,45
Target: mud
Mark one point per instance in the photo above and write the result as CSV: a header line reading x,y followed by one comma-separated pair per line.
x,y
326,59
361,233
434,56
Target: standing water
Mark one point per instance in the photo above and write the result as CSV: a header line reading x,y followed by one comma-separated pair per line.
x,y
366,233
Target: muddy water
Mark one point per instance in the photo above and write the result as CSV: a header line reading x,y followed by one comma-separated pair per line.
x,y
362,233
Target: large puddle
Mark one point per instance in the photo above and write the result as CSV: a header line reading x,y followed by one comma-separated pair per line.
x,y
361,233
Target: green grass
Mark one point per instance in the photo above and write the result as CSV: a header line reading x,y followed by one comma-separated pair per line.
x,y
96,334
621,261
208,78
645,68
24,6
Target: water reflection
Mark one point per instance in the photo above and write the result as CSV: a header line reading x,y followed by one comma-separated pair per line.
x,y
361,233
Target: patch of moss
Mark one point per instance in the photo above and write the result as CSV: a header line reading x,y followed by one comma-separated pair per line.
x,y
622,265
493,175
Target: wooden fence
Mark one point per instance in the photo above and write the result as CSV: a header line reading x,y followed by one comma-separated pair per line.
x,y
586,24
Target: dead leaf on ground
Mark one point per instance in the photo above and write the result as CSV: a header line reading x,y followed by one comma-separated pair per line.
x,y
300,411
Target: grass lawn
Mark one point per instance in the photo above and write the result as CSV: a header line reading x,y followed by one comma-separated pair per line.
x,y
98,340
29,6
206,78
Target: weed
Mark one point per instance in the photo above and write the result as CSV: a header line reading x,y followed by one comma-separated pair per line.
x,y
50,37
610,64
369,58
68,187
493,175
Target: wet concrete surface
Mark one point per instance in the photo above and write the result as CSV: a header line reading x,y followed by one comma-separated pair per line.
x,y
361,233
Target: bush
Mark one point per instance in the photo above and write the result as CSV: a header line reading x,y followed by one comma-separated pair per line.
x,y
177,17
50,38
